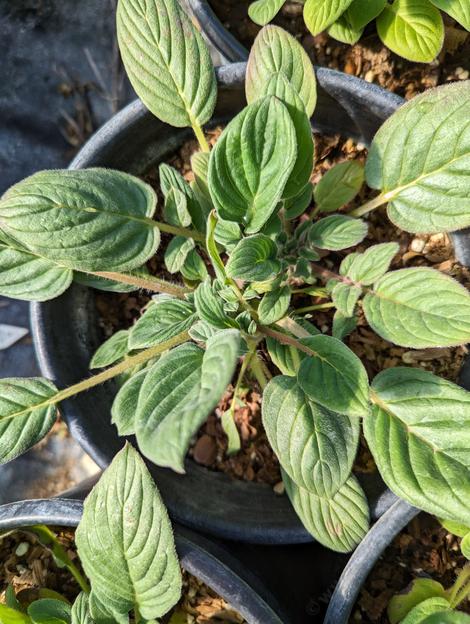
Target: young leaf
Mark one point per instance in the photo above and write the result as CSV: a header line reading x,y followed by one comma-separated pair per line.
x,y
90,219
343,325
175,210
334,377
254,259
251,163
275,50
210,308
345,297
421,612
412,425
339,522
337,232
202,331
339,186
465,545
49,611
419,590
25,415
124,405
288,358
319,14
211,247
125,541
111,350
263,11
420,158
167,61
194,268
296,206
164,318
181,204
342,30
179,393
200,169
227,233
12,616
274,305
315,447
80,610
369,266
419,308
458,9
361,12
412,28
177,252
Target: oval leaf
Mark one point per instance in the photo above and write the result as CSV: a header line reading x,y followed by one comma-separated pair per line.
x,y
361,12
125,402
338,186
80,610
177,252
458,9
369,266
50,611
274,305
319,14
418,591
210,308
337,232
164,318
111,350
263,11
342,30
421,612
254,259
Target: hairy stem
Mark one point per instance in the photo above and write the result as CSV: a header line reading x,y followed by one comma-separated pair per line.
x,y
370,205
284,339
146,282
318,306
315,291
293,327
198,131
179,231
258,372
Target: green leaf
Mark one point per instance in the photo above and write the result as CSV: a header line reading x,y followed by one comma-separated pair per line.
x,y
112,350
345,298
180,210
455,528
412,28
177,252
315,446
125,541
296,206
343,31
343,325
319,14
12,616
179,393
286,357
80,610
124,404
339,186
231,431
361,12
254,259
175,210
27,276
419,590
334,377
211,247
274,305
252,162
11,599
105,284
421,612
89,219
420,158
458,9
202,331
200,169
465,546
369,266
337,232
49,611
209,306
411,434
263,11
194,268
275,50
447,617
227,233
339,522
164,318
419,308
25,414
167,61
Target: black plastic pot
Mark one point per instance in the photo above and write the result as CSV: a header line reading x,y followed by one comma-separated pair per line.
x,y
197,555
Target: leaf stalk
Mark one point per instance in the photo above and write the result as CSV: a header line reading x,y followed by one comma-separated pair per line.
x,y
373,203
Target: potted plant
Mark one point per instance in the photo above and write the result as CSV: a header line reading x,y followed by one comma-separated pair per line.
x,y
247,253
118,558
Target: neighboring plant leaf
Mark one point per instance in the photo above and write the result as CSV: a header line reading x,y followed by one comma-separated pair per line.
x,y
419,590
412,424
11,599
164,318
421,612
80,610
49,611
342,30
91,219
275,50
210,308
194,268
431,192
337,232
361,12
343,325
12,616
177,252
458,9
251,163
334,377
296,206
263,11
339,522
315,446
412,28
345,298
202,331
25,418
274,305
339,185
254,259
112,350
455,528
125,402
369,266
419,308
319,14
128,555
167,61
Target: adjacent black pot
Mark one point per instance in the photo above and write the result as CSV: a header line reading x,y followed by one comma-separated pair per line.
x,y
198,556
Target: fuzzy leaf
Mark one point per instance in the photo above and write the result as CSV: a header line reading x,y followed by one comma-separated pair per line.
x,y
125,403
361,12
343,31
209,306
334,377
345,298
227,233
175,210
177,252
275,50
369,266
411,434
431,192
179,393
263,11
80,610
25,416
339,186
211,247
111,350
315,447
167,61
49,611
458,9
200,169
319,14
419,308
446,617
412,28
296,206
254,259
194,268
164,318
129,556
421,612
337,232
419,590
343,325
231,431
274,305
339,522
90,220
251,163
181,204
285,357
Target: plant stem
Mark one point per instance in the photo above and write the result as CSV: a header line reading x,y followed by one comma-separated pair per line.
x,y
315,291
146,282
198,131
290,325
257,370
370,205
284,339
318,306
246,361
178,231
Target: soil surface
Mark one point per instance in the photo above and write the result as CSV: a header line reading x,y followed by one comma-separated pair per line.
x,y
422,549
368,59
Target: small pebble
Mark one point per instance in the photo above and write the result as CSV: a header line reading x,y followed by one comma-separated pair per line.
x,y
22,549
417,245
205,450
369,77
279,488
